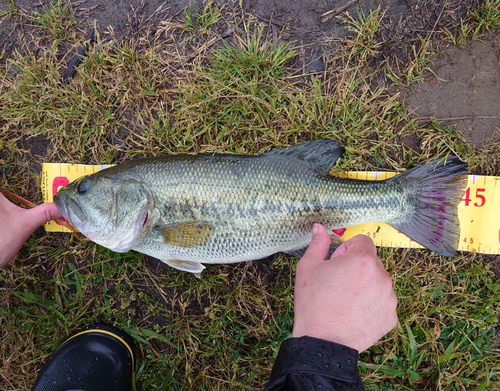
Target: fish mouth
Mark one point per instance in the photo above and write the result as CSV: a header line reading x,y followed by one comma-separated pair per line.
x,y
61,206
70,209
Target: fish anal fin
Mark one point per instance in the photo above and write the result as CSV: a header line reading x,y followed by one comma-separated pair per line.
x,y
335,242
299,253
186,234
188,266
321,155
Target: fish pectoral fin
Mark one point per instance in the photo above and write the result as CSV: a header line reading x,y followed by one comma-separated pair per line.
x,y
187,234
321,155
187,266
335,242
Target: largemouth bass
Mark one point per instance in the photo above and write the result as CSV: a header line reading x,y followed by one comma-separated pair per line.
x,y
187,210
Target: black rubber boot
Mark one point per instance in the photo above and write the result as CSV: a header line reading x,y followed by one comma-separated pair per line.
x,y
98,358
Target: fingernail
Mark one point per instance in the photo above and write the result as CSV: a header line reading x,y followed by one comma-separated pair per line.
x,y
315,228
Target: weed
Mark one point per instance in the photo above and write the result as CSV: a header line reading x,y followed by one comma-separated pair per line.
x,y
414,71
480,21
488,15
12,11
55,20
365,29
200,21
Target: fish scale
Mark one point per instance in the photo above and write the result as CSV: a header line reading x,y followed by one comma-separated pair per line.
x,y
192,209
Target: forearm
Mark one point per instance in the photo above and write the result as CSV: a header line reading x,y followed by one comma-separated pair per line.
x,y
308,363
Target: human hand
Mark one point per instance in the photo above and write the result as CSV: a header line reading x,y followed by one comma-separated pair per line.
x,y
348,299
17,224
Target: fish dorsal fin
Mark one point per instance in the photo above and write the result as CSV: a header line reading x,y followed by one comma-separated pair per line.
x,y
320,154
186,266
186,234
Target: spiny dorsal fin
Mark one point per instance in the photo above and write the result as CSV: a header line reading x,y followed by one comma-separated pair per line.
x,y
320,154
186,234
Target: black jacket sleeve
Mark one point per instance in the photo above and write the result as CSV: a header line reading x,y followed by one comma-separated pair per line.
x,y
308,363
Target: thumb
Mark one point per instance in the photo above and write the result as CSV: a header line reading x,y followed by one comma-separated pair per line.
x,y
41,214
320,245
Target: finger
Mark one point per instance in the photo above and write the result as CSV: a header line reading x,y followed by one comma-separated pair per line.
x,y
361,244
360,248
40,215
340,250
320,244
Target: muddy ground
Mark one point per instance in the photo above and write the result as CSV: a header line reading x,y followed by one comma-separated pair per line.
x,y
461,89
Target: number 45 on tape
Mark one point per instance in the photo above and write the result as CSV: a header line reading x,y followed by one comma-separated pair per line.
x,y
478,211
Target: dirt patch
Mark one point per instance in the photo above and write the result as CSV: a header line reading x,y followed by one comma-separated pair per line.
x,y
463,89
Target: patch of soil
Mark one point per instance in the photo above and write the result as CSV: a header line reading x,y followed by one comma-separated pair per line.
x,y
37,145
463,89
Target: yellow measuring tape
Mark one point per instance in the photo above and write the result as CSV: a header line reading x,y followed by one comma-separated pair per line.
x,y
479,210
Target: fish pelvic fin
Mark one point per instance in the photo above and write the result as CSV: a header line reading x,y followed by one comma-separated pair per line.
x,y
321,155
433,192
186,234
186,266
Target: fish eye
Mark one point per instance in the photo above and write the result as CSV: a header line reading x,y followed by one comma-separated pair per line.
x,y
83,186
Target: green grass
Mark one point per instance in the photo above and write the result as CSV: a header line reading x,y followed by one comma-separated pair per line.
x,y
421,57
482,20
450,312
199,21
145,97
365,29
12,11
56,20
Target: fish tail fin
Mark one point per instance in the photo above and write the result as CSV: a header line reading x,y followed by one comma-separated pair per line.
x,y
433,192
